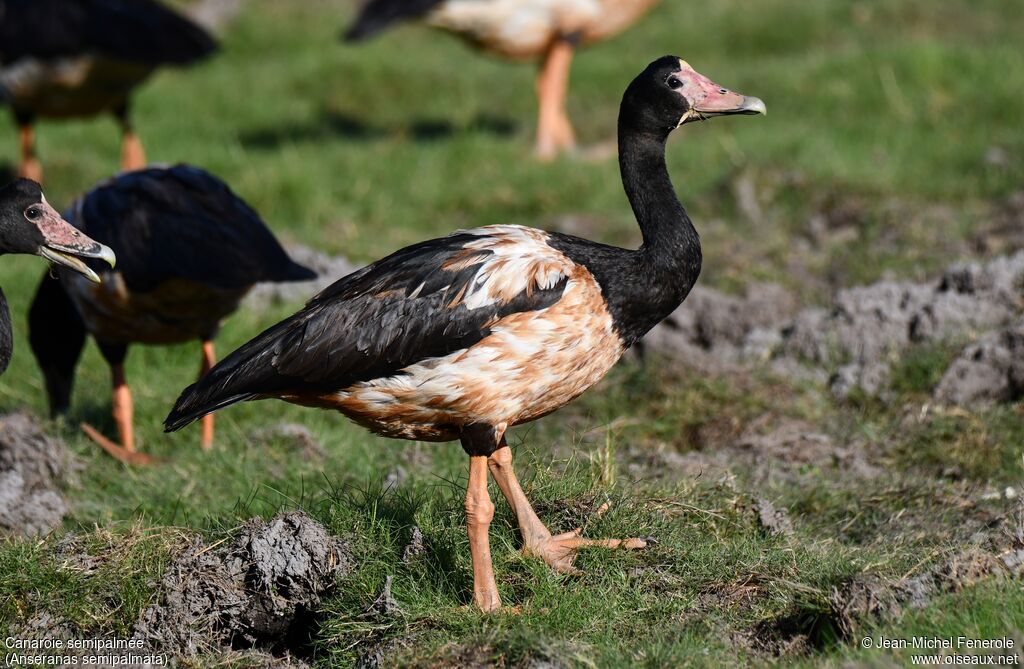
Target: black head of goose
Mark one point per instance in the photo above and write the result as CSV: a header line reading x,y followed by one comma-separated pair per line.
x,y
29,225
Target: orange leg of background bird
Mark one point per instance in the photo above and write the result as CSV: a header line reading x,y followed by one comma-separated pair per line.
x,y
559,550
124,411
133,157
479,512
30,167
209,359
554,130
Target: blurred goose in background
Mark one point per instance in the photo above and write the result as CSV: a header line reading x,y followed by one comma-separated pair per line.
x,y
549,30
28,224
74,58
192,250
465,336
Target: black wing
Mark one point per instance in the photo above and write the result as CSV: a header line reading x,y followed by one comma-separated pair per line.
x,y
371,324
141,31
182,223
376,15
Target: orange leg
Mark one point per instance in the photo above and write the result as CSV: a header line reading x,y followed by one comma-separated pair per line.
x,y
559,550
554,130
30,167
133,157
123,410
479,512
209,359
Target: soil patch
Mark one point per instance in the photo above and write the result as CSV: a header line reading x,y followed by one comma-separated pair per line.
x,y
990,370
328,268
258,590
771,451
862,333
32,467
716,332
867,598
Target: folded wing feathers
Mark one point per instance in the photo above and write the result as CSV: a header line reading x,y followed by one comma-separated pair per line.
x,y
426,301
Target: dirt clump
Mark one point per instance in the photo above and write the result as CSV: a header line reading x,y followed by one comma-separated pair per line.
x,y
416,547
868,597
328,268
773,519
712,330
777,449
33,466
385,605
868,327
45,625
260,589
771,450
380,654
989,370
860,336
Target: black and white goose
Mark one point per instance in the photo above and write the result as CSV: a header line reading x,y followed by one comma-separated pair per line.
x,y
192,249
466,336
28,224
74,58
548,31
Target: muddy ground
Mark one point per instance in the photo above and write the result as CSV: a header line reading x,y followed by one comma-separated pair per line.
x,y
33,469
852,344
251,596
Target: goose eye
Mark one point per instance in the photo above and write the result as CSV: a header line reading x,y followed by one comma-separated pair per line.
x,y
33,213
674,83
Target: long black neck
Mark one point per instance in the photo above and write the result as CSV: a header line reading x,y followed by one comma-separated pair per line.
x,y
642,287
668,263
671,243
6,336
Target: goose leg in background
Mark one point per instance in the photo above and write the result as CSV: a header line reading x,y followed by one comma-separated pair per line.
x,y
209,360
565,136
554,130
559,550
123,409
29,166
133,157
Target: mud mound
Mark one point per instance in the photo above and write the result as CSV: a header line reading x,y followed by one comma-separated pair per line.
x,y
860,335
869,326
32,466
990,370
328,268
865,598
712,330
774,520
772,450
260,590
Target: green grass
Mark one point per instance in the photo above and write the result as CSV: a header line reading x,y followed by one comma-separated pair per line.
x,y
880,110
